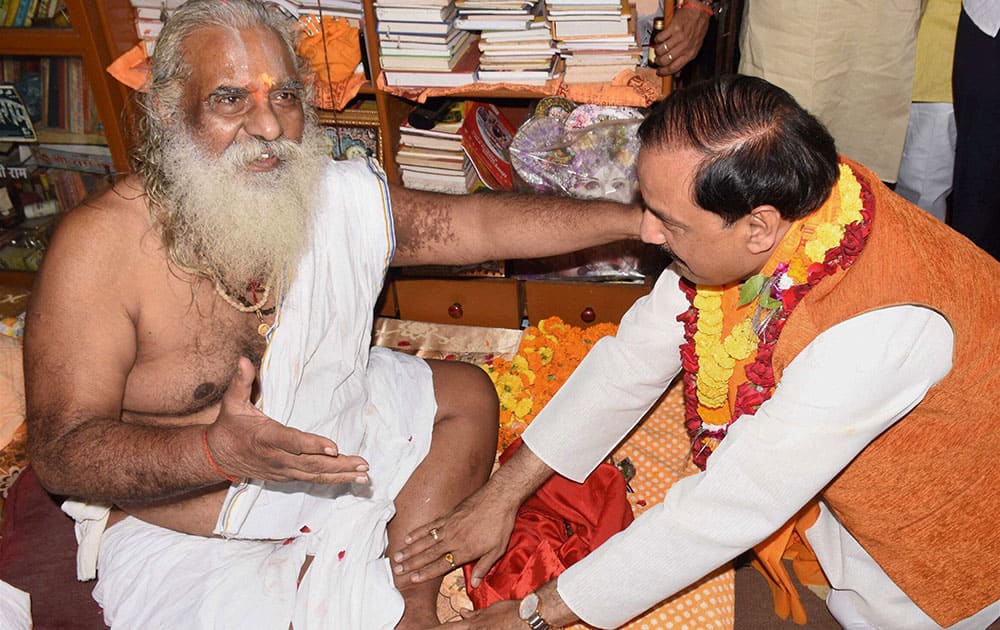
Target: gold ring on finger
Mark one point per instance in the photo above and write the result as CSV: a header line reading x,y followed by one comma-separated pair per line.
x,y
434,534
450,557
670,58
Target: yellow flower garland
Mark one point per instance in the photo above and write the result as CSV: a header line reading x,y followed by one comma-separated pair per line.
x,y
547,355
717,356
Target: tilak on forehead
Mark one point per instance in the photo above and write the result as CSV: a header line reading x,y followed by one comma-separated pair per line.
x,y
267,80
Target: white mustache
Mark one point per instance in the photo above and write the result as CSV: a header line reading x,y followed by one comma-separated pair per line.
x,y
247,151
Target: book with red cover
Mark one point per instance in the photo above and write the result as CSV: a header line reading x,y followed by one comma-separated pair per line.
x,y
486,136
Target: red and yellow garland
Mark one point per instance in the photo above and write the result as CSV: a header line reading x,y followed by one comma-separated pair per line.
x,y
814,248
547,355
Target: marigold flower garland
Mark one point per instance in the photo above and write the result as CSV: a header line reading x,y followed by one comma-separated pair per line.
x,y
547,355
709,360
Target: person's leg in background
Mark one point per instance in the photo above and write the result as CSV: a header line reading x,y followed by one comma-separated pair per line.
x,y
925,173
975,210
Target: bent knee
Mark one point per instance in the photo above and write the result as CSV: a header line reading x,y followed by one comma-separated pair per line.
x,y
463,390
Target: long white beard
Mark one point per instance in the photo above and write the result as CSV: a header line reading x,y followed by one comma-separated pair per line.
x,y
243,225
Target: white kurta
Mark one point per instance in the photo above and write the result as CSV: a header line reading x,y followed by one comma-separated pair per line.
x,y
844,389
320,375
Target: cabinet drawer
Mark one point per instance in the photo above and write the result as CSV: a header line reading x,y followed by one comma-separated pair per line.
x,y
473,302
386,305
580,303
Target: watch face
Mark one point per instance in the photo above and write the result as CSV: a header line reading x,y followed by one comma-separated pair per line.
x,y
528,606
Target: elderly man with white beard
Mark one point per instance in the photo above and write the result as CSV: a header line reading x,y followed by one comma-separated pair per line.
x,y
199,373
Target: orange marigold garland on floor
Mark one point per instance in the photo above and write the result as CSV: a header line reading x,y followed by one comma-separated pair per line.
x,y
547,355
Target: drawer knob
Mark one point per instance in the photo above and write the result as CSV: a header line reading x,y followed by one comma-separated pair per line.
x,y
588,314
455,311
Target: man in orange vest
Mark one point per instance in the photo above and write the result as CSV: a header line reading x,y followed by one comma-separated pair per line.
x,y
840,378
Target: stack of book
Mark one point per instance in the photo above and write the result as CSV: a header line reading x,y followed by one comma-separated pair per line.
x,y
350,9
526,56
595,37
151,14
598,66
25,13
57,95
496,15
420,45
434,159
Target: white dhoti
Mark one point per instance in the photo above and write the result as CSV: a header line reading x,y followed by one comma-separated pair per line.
x,y
319,374
150,577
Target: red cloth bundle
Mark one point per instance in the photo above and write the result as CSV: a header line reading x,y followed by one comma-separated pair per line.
x,y
557,526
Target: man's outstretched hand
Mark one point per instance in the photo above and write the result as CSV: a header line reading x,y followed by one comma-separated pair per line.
x,y
249,445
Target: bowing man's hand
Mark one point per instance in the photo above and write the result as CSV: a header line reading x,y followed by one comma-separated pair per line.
x,y
246,444
479,528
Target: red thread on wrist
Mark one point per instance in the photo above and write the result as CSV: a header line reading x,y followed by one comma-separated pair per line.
x,y
698,7
211,461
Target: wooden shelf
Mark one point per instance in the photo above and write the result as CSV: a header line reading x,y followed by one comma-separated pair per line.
x,y
101,31
393,109
486,301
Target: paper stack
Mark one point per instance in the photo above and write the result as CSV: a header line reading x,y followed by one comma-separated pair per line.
x,y
419,44
515,44
151,14
595,38
527,57
434,159
495,15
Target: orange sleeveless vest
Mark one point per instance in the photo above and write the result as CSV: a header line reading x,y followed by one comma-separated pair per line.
x,y
923,499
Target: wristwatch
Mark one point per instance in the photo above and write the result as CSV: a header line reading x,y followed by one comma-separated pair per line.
x,y
528,612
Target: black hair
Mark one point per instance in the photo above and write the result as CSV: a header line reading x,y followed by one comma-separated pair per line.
x,y
759,146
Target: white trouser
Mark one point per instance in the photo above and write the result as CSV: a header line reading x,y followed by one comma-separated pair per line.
x,y
925,172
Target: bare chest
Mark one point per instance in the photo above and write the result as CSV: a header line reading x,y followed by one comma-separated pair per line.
x,y
187,351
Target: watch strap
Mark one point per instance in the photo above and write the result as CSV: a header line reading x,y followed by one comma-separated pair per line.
x,y
535,622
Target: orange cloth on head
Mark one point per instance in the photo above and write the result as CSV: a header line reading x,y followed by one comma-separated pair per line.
x,y
132,68
332,47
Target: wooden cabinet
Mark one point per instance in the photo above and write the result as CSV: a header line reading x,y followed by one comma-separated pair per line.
x,y
101,30
580,303
469,301
509,302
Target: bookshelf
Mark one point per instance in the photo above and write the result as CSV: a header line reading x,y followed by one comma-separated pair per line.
x,y
101,30
486,301
393,109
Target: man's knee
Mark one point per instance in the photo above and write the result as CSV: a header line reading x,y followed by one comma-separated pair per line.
x,y
463,390
467,419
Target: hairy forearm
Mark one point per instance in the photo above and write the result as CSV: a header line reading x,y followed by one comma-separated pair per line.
x,y
519,477
554,610
107,460
495,226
